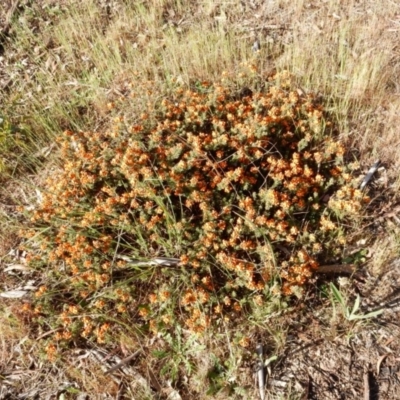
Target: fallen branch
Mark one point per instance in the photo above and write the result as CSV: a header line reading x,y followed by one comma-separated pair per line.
x,y
123,362
336,269
339,269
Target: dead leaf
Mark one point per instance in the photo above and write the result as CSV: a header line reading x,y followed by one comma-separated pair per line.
x,y
380,360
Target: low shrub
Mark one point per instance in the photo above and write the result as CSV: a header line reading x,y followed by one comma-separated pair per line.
x,y
246,188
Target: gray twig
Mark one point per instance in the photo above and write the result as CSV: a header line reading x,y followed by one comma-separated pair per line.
x,y
123,362
260,371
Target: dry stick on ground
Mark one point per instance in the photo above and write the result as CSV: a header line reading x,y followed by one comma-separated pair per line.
x,y
123,362
335,269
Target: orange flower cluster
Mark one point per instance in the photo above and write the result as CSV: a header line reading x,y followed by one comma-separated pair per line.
x,y
210,177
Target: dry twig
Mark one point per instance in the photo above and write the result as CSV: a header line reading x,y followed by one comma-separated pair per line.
x,y
123,362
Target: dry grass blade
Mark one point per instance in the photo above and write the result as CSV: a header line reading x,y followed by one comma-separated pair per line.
x,y
367,390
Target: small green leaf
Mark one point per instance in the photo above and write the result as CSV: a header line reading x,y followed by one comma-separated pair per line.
x,y
160,353
337,295
269,360
372,314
